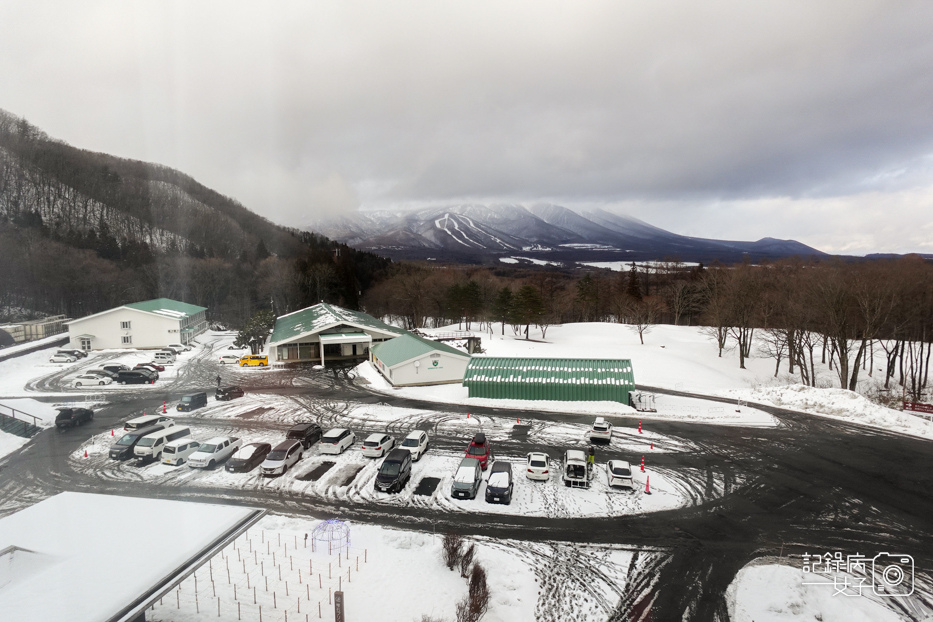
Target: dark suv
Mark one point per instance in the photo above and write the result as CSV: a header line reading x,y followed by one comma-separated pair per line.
x,y
499,484
228,393
307,433
136,376
192,402
71,417
394,472
479,449
123,448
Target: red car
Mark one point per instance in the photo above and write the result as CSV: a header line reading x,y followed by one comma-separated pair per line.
x,y
152,366
479,449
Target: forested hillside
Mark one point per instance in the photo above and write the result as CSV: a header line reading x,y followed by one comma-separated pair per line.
x,y
84,231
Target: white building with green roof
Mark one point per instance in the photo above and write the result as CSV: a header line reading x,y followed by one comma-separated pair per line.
x,y
147,324
327,333
411,360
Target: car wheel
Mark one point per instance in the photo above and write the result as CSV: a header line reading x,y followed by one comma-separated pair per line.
x,y
101,383
78,384
223,362
262,364
210,465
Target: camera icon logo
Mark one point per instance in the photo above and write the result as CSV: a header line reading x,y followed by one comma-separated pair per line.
x,y
892,574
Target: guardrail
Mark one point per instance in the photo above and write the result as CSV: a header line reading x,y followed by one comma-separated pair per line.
x,y
9,422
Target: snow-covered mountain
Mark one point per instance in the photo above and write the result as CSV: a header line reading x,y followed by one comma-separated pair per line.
x,y
480,233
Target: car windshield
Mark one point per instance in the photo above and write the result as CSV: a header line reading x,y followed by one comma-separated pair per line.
x,y
187,398
410,442
370,444
245,453
146,442
477,450
168,450
465,475
127,439
499,479
538,463
331,437
621,471
390,469
278,454
600,427
208,449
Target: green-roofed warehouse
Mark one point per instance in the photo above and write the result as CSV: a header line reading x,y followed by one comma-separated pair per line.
x,y
411,360
566,380
325,333
147,324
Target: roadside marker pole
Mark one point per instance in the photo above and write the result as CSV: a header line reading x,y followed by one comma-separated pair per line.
x,y
642,463
648,485
639,426
163,408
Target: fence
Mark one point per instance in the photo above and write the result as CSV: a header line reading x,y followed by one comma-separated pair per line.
x,y
18,425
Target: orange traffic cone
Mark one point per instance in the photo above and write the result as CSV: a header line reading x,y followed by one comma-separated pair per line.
x,y
639,426
516,419
111,431
652,445
643,464
468,415
648,485
85,453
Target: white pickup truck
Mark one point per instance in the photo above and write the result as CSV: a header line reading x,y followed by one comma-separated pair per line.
x,y
214,451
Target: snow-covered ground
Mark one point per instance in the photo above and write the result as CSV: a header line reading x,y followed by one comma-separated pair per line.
x,y
382,571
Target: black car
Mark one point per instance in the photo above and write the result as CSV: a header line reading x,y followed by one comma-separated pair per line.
x,y
248,457
71,417
123,448
394,472
115,368
499,484
192,402
136,376
228,393
307,433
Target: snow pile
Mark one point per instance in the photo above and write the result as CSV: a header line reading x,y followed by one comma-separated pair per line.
x,y
777,593
839,404
10,443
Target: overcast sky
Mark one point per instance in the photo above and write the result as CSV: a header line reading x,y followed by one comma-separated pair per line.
x,y
737,120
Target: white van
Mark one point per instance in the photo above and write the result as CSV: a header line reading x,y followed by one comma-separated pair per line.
x,y
165,357
177,452
151,445
145,421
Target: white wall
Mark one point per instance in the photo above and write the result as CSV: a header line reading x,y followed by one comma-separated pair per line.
x,y
146,329
449,368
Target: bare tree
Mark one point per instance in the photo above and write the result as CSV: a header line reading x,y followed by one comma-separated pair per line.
x,y
452,549
466,561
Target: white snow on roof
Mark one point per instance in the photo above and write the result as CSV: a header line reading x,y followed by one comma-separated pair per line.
x,y
170,313
82,558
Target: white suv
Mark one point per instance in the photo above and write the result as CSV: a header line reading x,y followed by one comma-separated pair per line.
x,y
336,441
416,443
602,430
284,455
377,445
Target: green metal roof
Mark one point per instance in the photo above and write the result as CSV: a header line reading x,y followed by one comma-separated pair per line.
x,y
409,346
167,307
550,379
321,316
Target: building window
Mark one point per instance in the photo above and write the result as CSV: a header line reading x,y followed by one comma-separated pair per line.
x,y
127,339
85,344
124,325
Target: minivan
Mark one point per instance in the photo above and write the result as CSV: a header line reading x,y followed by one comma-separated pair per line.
x,y
394,472
192,402
254,360
467,479
150,446
147,420
123,448
306,433
499,484
136,376
165,357
282,456
177,452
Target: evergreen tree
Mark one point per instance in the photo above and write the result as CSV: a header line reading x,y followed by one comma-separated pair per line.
x,y
502,307
633,287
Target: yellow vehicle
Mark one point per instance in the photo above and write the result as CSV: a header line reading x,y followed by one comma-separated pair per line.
x,y
254,360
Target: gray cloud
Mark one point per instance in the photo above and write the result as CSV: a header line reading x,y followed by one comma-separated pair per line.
x,y
720,118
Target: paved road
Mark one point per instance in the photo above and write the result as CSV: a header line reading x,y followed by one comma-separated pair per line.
x,y
808,485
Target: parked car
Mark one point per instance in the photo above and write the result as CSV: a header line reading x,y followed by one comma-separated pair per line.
x,y
479,449
123,448
228,393
114,368
601,430
536,467
248,457
146,421
499,484
165,357
101,373
90,380
151,366
136,376
150,446
192,402
394,472
178,348
417,443
236,347
233,359
306,433
467,479
336,441
176,452
284,455
63,358
575,472
213,452
619,473
254,360
78,354
71,417
377,445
